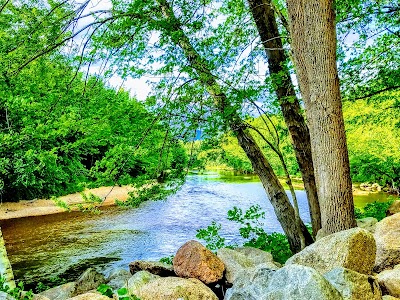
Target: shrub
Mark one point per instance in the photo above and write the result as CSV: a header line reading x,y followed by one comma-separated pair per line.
x,y
252,231
375,209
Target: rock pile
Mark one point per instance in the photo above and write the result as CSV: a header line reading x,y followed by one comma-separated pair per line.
x,y
354,264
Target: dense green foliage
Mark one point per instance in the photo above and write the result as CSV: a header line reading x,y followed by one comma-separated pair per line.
x,y
251,231
373,131
375,210
62,130
373,137
122,293
17,292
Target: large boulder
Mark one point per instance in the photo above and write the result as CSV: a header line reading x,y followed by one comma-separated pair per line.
x,y
193,260
90,296
61,292
173,288
241,259
293,282
354,286
394,208
250,284
89,280
5,296
387,236
353,249
388,297
118,278
154,267
390,281
367,223
138,280
39,297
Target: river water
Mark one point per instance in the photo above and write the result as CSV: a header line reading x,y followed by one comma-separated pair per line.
x,y
62,246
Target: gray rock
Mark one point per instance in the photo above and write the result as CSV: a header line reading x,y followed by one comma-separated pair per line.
x,y
61,292
354,286
118,278
39,297
138,280
353,249
388,297
90,296
367,223
5,296
389,281
257,256
250,283
387,236
293,282
173,288
241,259
154,267
89,280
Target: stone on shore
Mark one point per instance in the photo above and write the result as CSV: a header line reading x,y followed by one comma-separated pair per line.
x,y
390,281
89,280
353,249
387,236
138,280
61,292
241,259
354,286
193,260
173,288
367,223
293,282
250,284
118,278
154,267
394,208
5,296
388,297
90,296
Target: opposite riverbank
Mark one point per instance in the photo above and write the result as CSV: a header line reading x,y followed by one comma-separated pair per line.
x,y
41,207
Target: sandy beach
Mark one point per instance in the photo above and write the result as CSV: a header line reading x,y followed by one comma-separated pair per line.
x,y
40,207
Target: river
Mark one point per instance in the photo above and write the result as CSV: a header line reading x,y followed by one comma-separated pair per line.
x,y
62,246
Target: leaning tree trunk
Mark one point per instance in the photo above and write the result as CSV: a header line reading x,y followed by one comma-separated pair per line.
x,y
275,191
313,37
267,27
5,266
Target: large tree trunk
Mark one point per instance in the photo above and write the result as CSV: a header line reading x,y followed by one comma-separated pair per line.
x,y
5,266
267,27
314,49
274,190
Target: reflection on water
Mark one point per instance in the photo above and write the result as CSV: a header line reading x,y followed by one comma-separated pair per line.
x,y
41,248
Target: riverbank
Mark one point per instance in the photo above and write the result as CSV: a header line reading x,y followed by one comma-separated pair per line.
x,y
41,207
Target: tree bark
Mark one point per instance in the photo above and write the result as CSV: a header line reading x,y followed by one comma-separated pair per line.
x,y
267,27
313,36
274,190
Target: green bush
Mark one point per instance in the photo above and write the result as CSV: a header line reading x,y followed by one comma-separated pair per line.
x,y
375,209
167,260
16,292
252,231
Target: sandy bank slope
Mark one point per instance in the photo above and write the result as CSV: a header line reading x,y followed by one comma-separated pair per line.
x,y
42,207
